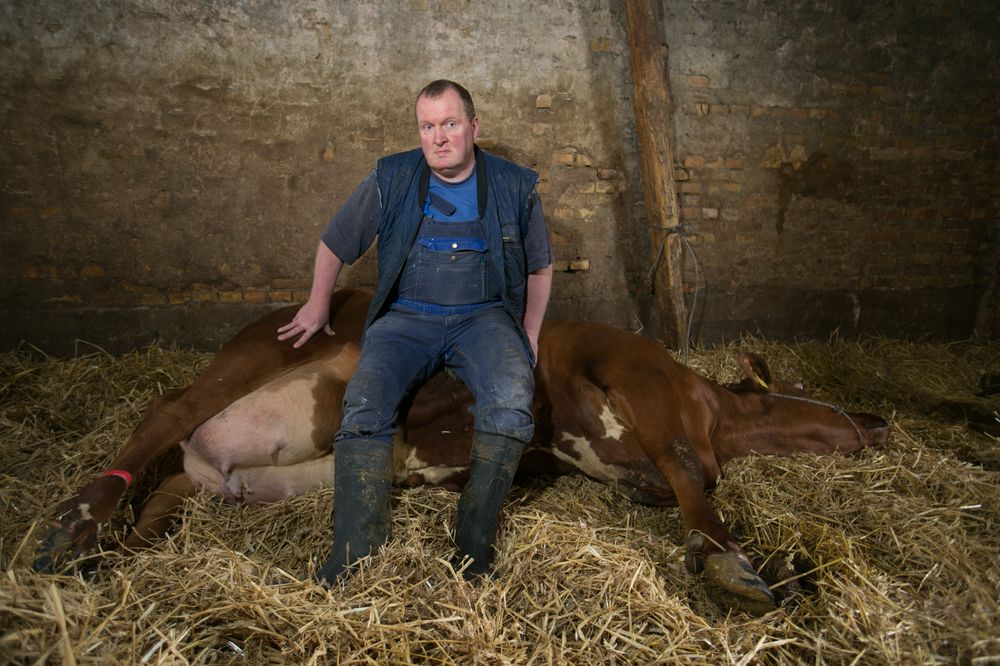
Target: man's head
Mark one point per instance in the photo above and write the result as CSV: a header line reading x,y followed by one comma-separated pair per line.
x,y
448,127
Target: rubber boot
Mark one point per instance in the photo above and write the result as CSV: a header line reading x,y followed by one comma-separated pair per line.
x,y
494,462
362,480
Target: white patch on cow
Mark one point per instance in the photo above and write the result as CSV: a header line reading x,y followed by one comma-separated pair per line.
x,y
85,511
613,428
586,459
432,474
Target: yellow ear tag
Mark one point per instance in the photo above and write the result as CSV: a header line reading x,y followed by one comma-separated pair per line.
x,y
760,381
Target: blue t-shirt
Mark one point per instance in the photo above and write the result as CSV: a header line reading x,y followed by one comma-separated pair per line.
x,y
452,202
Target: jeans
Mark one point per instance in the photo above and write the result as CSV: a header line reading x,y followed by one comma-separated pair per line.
x,y
404,348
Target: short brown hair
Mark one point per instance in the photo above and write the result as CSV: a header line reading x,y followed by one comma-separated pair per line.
x,y
437,88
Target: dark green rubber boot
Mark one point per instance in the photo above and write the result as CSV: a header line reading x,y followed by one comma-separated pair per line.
x,y
362,480
494,462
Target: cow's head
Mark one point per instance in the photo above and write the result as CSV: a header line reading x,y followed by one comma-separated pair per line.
x,y
788,420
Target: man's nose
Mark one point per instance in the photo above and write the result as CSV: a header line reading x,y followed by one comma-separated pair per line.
x,y
439,135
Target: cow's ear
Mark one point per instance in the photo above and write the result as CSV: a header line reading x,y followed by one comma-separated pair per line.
x,y
756,370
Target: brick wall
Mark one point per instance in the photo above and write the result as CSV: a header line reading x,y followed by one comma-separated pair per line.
x,y
168,166
838,164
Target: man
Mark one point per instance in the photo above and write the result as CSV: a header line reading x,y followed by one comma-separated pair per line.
x,y
465,272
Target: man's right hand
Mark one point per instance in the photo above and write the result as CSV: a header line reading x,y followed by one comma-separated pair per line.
x,y
310,318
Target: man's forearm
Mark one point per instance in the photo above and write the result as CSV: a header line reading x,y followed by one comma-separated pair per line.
x,y
537,300
326,270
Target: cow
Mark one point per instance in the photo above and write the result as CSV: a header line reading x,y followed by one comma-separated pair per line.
x,y
258,423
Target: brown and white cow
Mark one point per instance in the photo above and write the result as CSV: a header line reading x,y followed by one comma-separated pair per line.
x,y
257,425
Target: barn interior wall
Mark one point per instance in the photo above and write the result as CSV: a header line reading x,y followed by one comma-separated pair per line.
x,y
838,165
168,166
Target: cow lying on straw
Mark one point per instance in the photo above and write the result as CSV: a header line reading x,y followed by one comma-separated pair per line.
x,y
257,425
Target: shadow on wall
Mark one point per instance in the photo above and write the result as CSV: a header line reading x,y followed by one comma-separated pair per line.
x,y
819,177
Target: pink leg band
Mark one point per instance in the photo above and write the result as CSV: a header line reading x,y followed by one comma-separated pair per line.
x,y
121,474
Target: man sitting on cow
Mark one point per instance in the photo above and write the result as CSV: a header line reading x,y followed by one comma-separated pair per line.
x,y
464,274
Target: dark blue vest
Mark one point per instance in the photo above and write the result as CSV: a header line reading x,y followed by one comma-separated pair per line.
x,y
504,192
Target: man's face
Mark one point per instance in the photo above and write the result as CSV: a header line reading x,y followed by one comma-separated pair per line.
x,y
447,135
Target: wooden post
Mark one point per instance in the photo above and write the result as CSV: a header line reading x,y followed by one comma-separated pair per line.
x,y
647,54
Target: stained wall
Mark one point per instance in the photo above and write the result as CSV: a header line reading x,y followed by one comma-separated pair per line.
x,y
168,166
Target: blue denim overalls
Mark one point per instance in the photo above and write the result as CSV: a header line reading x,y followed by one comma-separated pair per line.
x,y
448,313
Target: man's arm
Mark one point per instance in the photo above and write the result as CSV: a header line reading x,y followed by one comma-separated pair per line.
x,y
315,314
348,235
537,300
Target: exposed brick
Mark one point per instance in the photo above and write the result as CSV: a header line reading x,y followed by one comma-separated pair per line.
x,y
279,296
690,213
710,213
284,283
91,271
698,81
601,45
694,162
153,298
40,271
230,296
543,102
254,295
564,156
66,298
690,188
733,163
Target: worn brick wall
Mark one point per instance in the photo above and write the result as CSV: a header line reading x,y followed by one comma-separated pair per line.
x,y
838,164
168,166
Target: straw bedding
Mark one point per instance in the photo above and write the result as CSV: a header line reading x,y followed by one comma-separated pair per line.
x,y
896,549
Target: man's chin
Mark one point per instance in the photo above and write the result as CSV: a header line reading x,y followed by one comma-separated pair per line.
x,y
446,170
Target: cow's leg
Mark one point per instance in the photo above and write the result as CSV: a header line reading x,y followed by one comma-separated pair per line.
x,y
258,483
78,519
730,578
159,511
263,483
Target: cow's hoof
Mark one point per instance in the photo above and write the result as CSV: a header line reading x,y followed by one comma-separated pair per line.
x,y
732,583
52,551
64,543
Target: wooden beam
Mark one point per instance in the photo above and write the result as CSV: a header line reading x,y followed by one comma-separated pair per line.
x,y
648,55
